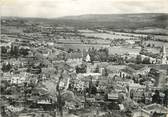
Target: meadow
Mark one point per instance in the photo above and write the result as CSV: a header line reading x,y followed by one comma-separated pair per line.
x,y
83,41
111,36
156,43
112,50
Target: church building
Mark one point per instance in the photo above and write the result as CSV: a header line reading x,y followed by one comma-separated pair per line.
x,y
163,55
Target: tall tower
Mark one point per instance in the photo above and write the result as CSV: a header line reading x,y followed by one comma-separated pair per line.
x,y
163,55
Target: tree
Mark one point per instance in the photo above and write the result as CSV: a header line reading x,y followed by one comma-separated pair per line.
x,y
97,69
70,50
58,93
138,59
14,50
90,85
3,49
166,97
59,99
24,51
92,52
103,54
156,97
78,50
106,72
149,45
143,98
146,60
6,67
4,85
81,68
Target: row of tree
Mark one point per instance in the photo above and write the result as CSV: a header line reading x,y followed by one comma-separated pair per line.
x,y
14,50
6,67
156,98
98,55
139,60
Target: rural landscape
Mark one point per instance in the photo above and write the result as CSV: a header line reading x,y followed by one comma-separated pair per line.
x,y
93,65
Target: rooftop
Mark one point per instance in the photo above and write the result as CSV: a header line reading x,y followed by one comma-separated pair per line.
x,y
156,107
74,55
136,66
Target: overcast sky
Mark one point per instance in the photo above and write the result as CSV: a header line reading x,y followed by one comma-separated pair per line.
x,y
58,8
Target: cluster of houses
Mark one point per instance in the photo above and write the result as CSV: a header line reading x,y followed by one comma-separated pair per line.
x,y
108,85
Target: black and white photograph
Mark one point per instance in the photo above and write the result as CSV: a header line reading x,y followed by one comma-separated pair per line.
x,y
83,58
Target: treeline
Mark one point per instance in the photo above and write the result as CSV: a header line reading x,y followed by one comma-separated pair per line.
x,y
146,53
14,51
102,55
98,55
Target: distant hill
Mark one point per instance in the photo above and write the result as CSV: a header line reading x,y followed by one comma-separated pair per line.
x,y
133,21
112,21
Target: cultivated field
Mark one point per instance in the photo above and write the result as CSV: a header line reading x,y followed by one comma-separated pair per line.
x,y
111,35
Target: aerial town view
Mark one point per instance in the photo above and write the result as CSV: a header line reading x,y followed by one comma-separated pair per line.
x,y
70,62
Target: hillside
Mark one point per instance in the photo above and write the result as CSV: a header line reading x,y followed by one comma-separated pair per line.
x,y
115,21
155,23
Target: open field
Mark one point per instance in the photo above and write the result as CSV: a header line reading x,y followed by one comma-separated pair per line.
x,y
123,50
105,36
83,40
112,50
127,34
82,46
156,43
111,34
152,30
161,37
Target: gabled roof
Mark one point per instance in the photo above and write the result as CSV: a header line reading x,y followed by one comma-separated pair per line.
x,y
132,68
141,110
156,106
74,55
159,67
128,70
137,66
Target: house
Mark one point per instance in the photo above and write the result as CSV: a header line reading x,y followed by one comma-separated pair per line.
x,y
46,29
160,77
159,115
25,115
136,90
6,76
74,59
19,79
135,70
113,96
86,76
156,108
152,110
45,51
115,70
141,113
34,70
163,55
15,109
91,68
88,58
139,69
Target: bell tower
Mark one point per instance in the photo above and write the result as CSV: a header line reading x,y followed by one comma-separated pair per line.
x,y
163,55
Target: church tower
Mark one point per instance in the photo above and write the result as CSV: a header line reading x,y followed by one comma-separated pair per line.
x,y
163,55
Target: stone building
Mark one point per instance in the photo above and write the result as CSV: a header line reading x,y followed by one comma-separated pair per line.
x,y
163,55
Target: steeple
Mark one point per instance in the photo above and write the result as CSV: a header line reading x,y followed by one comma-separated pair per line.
x,y
163,50
163,55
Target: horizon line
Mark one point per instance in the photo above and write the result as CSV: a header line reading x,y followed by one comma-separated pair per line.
x,y
79,15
